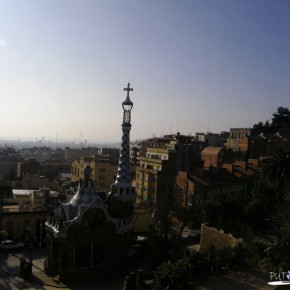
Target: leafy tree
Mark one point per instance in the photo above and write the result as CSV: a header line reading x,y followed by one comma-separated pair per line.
x,y
252,252
280,123
265,128
5,189
278,255
3,235
174,275
12,174
281,120
163,206
240,212
276,171
226,209
189,215
260,208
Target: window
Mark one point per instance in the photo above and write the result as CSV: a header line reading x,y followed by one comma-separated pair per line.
x,y
102,170
102,177
146,178
145,189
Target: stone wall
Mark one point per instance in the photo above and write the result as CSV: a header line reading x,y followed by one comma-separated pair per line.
x,y
217,238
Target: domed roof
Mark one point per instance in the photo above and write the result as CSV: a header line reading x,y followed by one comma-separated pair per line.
x,y
211,151
85,195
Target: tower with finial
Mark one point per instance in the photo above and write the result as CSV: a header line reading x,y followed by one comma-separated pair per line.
x,y
122,195
90,235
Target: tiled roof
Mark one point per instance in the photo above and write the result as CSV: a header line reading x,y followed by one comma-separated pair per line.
x,y
212,151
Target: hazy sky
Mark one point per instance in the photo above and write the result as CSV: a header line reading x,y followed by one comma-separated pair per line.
x,y
194,66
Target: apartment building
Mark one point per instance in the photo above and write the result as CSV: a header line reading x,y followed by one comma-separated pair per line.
x,y
216,156
103,170
235,135
23,214
154,172
75,153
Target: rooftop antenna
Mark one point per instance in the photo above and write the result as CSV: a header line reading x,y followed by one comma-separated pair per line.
x,y
80,139
208,123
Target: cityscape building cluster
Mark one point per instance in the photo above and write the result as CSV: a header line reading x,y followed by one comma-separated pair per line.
x,y
86,204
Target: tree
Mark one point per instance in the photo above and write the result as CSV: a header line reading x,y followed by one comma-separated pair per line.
x,y
264,128
281,120
163,206
280,123
174,275
260,208
278,255
276,171
187,215
226,209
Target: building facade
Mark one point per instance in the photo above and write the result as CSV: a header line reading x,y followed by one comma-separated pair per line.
x,y
74,153
235,135
154,171
216,156
27,167
103,170
23,214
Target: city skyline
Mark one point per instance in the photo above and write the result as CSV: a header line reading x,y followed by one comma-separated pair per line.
x,y
194,66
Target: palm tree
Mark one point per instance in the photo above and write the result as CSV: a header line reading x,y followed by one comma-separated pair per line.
x,y
278,255
276,170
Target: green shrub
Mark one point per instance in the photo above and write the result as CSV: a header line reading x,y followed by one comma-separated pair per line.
x,y
174,275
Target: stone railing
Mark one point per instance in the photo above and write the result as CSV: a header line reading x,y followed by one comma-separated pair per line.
x,y
212,237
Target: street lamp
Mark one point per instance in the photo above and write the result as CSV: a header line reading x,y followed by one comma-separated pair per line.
x,y
30,246
40,238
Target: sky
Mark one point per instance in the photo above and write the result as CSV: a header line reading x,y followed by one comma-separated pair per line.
x,y
195,66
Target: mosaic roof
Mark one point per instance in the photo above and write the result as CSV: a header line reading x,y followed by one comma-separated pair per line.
x,y
85,195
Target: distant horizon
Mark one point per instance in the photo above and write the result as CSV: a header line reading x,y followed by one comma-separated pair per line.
x,y
102,142
81,139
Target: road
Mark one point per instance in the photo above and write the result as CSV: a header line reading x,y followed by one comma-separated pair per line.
x,y
239,279
10,260
10,280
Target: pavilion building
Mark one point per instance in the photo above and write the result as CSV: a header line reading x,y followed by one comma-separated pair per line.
x,y
90,236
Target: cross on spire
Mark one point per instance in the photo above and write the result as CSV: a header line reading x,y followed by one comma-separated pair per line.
x,y
128,89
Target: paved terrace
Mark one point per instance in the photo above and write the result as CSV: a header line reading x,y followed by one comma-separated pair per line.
x,y
240,279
